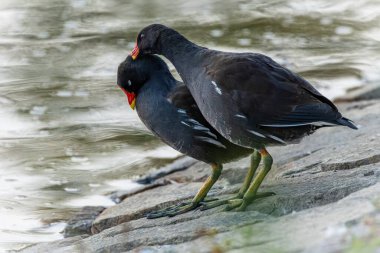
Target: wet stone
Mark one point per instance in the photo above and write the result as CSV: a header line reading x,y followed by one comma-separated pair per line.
x,y
365,92
178,165
81,222
327,198
137,206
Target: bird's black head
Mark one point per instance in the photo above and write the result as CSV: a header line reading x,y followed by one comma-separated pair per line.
x,y
148,40
133,74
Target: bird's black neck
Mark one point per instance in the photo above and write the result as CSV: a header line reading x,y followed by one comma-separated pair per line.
x,y
179,50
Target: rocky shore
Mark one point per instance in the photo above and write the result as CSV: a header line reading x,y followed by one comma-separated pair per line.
x,y
327,200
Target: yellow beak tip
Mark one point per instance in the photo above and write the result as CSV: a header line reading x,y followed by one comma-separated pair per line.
x,y
133,104
134,57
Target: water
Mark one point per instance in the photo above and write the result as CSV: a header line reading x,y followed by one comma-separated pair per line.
x,y
67,135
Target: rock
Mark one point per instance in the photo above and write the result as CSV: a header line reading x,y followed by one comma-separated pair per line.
x,y
137,206
365,92
119,196
81,223
343,164
327,200
178,165
232,231
311,230
55,246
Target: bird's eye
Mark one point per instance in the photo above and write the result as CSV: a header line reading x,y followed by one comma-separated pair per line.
x,y
142,36
129,83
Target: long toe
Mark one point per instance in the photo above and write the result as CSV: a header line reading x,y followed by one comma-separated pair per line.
x,y
213,204
239,204
258,195
220,202
232,204
173,210
182,209
164,211
161,212
242,207
209,199
155,215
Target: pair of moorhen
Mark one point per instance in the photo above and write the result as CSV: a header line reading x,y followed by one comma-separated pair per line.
x,y
248,98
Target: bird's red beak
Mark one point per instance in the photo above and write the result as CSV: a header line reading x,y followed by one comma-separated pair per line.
x,y
131,98
135,52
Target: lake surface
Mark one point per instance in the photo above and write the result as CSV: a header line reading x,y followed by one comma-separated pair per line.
x,y
67,134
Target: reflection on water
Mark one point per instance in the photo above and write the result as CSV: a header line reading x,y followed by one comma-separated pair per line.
x,y
67,135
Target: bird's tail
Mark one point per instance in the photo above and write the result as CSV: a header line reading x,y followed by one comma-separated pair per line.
x,y
346,122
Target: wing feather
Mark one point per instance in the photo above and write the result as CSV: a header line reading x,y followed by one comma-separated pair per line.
x,y
269,94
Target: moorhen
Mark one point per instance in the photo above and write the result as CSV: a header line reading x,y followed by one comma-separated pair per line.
x,y
250,99
167,108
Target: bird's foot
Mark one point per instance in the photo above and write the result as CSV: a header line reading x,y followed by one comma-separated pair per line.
x,y
208,199
240,204
173,210
235,204
219,202
205,205
183,206
213,204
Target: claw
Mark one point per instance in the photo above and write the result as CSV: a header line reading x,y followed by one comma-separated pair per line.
x,y
209,199
173,210
237,198
154,215
183,209
233,203
239,204
210,205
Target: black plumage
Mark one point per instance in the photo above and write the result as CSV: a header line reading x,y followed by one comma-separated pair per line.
x,y
167,108
247,97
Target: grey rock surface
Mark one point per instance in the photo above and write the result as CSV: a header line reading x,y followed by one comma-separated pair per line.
x,y
365,92
81,223
327,200
178,165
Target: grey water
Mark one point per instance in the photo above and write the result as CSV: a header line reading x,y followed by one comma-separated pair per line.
x,y
67,134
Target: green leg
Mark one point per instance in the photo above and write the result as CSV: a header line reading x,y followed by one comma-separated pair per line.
x,y
255,162
200,196
251,193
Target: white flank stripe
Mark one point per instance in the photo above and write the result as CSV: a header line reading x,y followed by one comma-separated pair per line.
x,y
198,126
194,122
206,131
201,128
286,125
217,88
183,122
240,116
321,123
256,133
212,135
212,141
316,123
276,138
